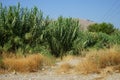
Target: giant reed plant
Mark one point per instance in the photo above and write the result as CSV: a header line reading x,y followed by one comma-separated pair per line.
x,y
20,27
61,34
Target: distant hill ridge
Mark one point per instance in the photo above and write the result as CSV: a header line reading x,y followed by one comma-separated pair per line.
x,y
85,23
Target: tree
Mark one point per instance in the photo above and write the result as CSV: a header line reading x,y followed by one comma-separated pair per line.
x,y
107,28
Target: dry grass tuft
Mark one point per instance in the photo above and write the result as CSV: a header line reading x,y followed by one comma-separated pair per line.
x,y
85,67
8,55
24,64
104,58
64,68
100,60
68,57
49,61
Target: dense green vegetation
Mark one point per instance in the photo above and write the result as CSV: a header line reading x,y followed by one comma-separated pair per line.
x,y
107,28
24,30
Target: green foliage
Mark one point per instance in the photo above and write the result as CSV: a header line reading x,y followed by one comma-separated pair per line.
x,y
96,40
24,30
20,27
103,27
61,34
115,38
103,41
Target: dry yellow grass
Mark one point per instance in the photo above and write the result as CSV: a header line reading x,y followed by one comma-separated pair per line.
x,y
49,61
20,63
8,55
103,58
24,64
64,68
3,71
68,57
85,67
100,60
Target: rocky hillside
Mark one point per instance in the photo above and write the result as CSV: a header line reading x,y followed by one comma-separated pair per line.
x,y
85,23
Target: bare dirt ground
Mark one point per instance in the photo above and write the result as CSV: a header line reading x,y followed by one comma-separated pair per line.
x,y
49,73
